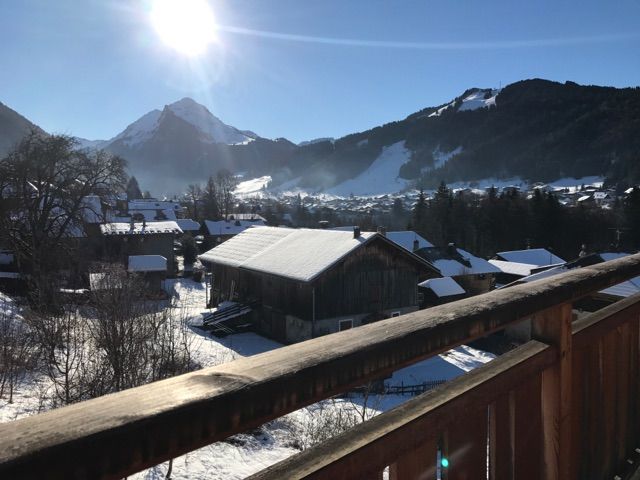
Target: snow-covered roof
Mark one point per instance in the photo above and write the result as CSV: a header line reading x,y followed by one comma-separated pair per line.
x,y
533,256
624,289
231,227
147,263
299,254
406,238
250,217
450,267
513,268
187,224
140,228
443,287
151,214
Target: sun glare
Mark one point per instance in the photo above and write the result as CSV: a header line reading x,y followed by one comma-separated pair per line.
x,y
187,26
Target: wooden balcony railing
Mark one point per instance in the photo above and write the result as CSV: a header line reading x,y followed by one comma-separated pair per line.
x,y
564,405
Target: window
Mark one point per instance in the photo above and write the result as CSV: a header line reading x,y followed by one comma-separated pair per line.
x,y
395,314
345,324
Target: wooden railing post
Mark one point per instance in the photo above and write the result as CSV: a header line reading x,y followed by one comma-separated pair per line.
x,y
553,326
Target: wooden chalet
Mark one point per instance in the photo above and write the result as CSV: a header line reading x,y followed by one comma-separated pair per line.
x,y
309,283
122,240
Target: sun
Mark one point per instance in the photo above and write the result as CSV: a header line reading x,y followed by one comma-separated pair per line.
x,y
187,26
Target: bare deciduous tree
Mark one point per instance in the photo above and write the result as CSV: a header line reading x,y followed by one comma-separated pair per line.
x,y
16,353
44,183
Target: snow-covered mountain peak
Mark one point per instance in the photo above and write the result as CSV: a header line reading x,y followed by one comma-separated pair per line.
x,y
139,131
214,130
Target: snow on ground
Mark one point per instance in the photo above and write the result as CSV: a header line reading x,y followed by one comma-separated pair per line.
x,y
445,366
381,177
245,454
476,100
254,185
472,101
440,158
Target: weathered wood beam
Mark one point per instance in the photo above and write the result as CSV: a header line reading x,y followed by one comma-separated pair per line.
x,y
595,325
553,326
115,435
392,435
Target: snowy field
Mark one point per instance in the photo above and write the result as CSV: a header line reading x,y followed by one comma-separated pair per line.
x,y
245,454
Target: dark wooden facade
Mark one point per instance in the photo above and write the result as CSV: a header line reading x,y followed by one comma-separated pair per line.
x,y
372,282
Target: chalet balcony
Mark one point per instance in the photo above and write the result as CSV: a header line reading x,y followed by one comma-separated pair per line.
x,y
565,405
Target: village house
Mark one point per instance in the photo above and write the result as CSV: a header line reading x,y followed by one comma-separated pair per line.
x,y
517,264
307,283
474,274
219,231
121,240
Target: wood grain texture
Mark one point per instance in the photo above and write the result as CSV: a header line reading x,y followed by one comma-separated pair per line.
x,y
385,438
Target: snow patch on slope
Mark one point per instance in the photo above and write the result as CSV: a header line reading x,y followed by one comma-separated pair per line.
x,y
254,185
476,100
139,131
381,177
472,101
440,158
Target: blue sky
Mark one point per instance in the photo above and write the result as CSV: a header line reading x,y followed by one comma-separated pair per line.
x,y
300,69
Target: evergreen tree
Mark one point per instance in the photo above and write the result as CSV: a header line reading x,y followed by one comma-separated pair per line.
x,y
420,213
133,189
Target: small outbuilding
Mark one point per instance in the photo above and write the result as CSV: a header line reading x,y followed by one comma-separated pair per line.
x,y
152,268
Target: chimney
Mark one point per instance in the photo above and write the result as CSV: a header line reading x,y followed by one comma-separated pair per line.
x,y
382,231
416,245
451,249
356,232
144,223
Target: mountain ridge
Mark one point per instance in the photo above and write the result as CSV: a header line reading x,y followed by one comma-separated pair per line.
x,y
535,129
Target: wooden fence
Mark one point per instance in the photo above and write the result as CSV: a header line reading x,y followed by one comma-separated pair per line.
x,y
563,406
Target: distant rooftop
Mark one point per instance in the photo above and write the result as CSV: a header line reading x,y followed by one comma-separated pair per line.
x,y
443,287
532,256
230,227
139,228
406,238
